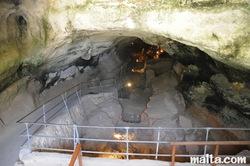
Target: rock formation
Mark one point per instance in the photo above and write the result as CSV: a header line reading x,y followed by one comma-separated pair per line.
x,y
44,44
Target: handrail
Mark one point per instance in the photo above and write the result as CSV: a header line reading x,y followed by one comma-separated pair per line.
x,y
77,153
152,128
75,136
202,143
55,98
79,84
125,140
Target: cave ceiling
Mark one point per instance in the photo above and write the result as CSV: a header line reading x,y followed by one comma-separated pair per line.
x,y
38,35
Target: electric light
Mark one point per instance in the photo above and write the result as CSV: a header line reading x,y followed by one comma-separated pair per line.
x,y
156,56
161,49
119,136
129,84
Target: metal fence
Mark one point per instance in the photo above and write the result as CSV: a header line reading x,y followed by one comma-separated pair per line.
x,y
52,107
42,121
123,140
41,118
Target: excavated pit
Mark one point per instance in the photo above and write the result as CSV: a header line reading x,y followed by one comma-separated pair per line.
x,y
156,91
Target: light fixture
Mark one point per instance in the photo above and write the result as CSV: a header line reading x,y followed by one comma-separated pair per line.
x,y
119,136
129,84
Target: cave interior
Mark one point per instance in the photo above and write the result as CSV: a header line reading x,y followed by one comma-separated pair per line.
x,y
172,85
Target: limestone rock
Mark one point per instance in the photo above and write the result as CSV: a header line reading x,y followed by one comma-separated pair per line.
x,y
150,74
185,122
46,33
160,66
112,108
135,105
235,93
88,104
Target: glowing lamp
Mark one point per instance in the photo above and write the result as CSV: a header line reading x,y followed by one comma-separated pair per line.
x,y
117,136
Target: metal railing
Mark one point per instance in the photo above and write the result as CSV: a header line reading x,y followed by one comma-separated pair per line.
x,y
41,118
76,139
52,107
76,154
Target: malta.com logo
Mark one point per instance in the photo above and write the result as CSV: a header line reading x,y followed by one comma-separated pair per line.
x,y
210,159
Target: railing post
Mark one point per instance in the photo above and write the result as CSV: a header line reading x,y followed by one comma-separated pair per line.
x,y
80,157
157,145
76,154
127,156
80,102
65,96
66,106
44,116
205,147
28,134
76,136
100,87
216,152
173,154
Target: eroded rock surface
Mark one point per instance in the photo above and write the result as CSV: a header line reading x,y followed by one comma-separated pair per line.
x,y
234,93
40,37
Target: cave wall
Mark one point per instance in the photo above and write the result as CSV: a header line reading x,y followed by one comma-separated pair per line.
x,y
28,93
38,35
40,39
222,86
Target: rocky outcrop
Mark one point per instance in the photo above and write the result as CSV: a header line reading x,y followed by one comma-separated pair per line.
x,y
92,110
235,94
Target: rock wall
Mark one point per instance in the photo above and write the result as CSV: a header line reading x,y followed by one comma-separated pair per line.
x,y
48,35
46,40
